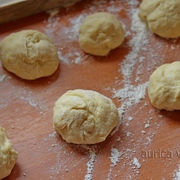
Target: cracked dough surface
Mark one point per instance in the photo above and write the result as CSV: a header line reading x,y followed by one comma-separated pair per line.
x,y
100,33
29,54
164,87
162,17
8,155
84,116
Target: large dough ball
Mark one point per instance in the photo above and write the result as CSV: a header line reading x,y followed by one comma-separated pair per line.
x,y
8,155
100,33
162,17
164,87
29,54
84,116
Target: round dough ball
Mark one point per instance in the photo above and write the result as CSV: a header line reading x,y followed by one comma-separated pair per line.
x,y
84,116
8,155
100,33
162,17
164,87
29,54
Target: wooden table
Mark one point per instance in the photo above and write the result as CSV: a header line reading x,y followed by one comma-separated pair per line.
x,y
145,146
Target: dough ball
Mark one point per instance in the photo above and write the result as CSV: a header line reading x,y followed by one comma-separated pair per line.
x,y
162,17
29,54
8,155
100,33
164,87
84,116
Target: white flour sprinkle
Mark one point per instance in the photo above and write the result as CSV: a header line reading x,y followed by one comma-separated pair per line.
x,y
131,94
130,118
115,155
147,125
75,23
2,77
136,163
143,132
36,103
139,39
3,104
25,94
90,165
56,29
71,57
128,134
176,174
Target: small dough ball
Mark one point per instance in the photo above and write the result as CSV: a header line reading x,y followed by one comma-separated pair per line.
x,y
100,33
162,17
84,116
164,87
8,155
29,54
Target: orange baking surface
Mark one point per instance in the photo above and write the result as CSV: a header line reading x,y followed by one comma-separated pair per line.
x,y
146,144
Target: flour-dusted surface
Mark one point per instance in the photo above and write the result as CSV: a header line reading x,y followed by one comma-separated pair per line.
x,y
144,146
176,174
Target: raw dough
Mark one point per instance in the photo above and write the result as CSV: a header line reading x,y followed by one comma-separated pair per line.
x,y
162,17
84,116
8,155
29,54
100,33
164,87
